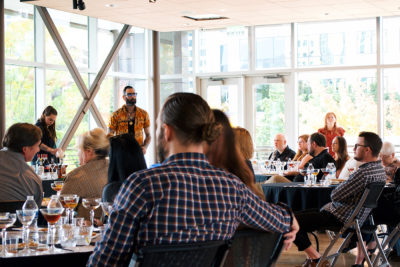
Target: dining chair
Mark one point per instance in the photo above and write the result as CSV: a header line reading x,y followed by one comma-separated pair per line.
x,y
254,248
369,199
198,254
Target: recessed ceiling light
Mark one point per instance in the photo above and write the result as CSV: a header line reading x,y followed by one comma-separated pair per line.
x,y
326,14
111,5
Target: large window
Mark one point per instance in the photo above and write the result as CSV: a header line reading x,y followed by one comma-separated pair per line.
x,y
391,105
337,43
272,46
176,54
223,50
351,95
391,40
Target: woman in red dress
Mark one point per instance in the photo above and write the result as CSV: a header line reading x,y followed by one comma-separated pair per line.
x,y
330,130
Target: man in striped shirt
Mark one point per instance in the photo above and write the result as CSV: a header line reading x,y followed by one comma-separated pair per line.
x,y
345,197
185,199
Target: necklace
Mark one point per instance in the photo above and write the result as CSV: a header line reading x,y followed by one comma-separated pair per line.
x,y
131,116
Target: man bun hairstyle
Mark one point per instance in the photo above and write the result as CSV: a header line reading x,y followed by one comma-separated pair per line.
x,y
20,135
319,139
191,118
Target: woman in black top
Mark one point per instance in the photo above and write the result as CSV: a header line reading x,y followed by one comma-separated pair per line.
x,y
47,123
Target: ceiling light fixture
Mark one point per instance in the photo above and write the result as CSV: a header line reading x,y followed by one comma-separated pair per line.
x,y
111,5
152,1
78,4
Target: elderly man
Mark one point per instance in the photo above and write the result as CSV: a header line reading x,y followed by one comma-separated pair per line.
x,y
389,161
282,150
344,197
17,179
185,199
317,149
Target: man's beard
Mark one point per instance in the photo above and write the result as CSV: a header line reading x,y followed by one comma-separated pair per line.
x,y
160,147
130,102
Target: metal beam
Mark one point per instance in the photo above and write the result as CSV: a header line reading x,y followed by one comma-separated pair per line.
x,y
95,87
2,77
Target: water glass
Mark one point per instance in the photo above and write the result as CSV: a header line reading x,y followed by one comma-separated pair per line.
x,y
79,221
12,242
38,240
69,234
84,235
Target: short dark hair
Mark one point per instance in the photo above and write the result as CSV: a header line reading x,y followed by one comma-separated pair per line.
x,y
127,87
191,118
20,135
319,139
373,141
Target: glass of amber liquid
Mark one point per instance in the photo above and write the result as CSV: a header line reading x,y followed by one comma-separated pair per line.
x,y
57,186
52,215
70,203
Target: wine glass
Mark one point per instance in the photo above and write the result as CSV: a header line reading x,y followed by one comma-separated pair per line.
x,y
53,169
6,220
70,203
26,217
57,186
91,204
106,207
52,215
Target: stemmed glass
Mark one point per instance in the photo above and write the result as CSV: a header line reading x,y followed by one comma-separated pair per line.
x,y
26,217
53,169
106,207
6,220
52,215
91,204
57,186
70,203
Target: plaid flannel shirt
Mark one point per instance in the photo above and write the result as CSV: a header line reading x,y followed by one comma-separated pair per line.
x,y
346,196
184,200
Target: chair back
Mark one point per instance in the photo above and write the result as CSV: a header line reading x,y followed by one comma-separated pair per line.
x,y
110,191
199,254
254,248
11,206
373,191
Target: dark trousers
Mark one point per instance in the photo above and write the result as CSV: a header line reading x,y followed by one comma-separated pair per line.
x,y
312,220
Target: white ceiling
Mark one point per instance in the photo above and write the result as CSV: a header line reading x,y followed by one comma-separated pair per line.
x,y
166,15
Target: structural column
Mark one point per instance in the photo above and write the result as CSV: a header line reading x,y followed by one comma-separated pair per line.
x,y
156,81
2,77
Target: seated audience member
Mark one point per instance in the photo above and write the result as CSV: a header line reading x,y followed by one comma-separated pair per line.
x,y
282,150
18,180
302,152
389,161
185,199
344,197
339,147
224,153
350,166
317,149
88,180
245,144
126,157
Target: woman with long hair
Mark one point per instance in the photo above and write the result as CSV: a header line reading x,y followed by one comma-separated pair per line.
x,y
303,148
47,124
339,147
224,153
245,145
331,130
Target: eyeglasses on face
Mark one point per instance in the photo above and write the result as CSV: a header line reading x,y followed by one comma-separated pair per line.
x,y
131,94
357,145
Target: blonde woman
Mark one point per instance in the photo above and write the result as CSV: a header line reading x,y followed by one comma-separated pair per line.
x,y
88,180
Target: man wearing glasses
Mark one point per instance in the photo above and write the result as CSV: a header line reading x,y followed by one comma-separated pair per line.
x,y
131,119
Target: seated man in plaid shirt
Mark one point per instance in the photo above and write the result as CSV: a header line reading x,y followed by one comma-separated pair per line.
x,y
185,199
345,198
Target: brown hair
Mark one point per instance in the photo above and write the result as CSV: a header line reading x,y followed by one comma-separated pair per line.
x,y
20,135
191,118
299,155
335,129
224,153
342,155
318,138
244,141
51,130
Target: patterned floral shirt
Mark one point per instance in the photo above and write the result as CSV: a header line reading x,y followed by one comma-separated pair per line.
x,y
119,122
183,200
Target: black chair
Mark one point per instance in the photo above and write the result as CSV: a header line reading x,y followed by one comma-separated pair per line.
x,y
254,248
369,199
110,191
199,254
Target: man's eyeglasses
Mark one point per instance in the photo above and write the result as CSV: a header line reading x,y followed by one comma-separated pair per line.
x,y
131,94
357,145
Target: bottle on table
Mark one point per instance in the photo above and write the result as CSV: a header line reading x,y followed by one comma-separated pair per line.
x,y
30,204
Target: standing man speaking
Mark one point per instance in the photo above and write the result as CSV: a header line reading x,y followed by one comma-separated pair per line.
x,y
131,119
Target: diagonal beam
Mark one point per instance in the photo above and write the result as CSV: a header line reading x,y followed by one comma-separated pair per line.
x,y
96,85
88,96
